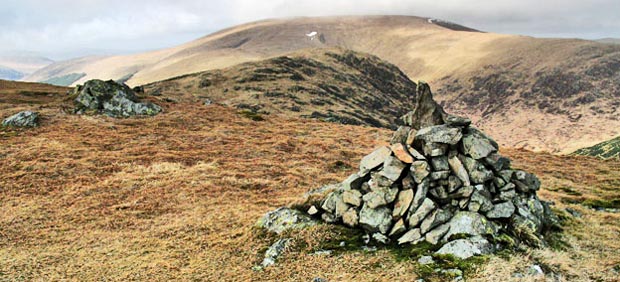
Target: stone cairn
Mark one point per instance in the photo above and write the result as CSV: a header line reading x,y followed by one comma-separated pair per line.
x,y
442,181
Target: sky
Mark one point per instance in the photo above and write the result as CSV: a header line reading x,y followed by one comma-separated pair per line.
x,y
62,29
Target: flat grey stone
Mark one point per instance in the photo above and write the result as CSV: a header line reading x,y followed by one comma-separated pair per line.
x,y
459,170
501,210
439,134
374,159
466,248
470,223
412,236
376,220
392,168
425,209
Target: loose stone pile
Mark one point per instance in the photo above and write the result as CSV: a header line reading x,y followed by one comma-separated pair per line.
x,y
443,181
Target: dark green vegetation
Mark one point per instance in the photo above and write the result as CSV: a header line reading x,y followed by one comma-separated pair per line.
x,y
606,150
64,80
331,85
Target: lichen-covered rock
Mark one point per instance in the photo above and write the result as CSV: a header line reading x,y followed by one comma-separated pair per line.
x,y
283,218
439,134
376,220
501,210
392,168
274,252
22,119
112,99
466,248
470,223
420,170
425,209
374,159
412,236
477,145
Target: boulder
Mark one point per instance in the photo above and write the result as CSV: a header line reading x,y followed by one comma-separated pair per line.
x,y
112,99
353,182
282,219
438,217
22,119
400,135
350,217
420,196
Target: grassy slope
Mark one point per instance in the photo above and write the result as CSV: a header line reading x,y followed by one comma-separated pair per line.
x,y
175,197
605,150
556,95
328,84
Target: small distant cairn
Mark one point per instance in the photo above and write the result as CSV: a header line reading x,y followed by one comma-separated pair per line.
x,y
442,181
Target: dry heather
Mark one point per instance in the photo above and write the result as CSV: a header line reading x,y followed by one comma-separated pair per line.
x,y
175,197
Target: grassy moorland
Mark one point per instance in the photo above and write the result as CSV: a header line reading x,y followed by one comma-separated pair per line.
x,y
175,197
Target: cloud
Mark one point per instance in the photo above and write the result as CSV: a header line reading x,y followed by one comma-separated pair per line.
x,y
71,26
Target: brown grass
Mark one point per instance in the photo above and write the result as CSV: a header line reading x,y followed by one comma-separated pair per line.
x,y
175,197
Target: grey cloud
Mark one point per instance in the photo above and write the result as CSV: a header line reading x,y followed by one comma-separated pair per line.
x,y
67,27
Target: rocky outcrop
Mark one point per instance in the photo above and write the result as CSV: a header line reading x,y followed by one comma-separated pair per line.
x,y
441,181
22,119
112,99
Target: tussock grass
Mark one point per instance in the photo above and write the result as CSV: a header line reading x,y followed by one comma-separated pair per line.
x,y
176,196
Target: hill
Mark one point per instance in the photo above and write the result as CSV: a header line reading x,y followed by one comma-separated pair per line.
x,y
10,74
609,40
176,196
16,66
541,94
329,84
606,150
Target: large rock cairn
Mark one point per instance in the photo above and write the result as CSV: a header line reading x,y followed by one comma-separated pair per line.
x,y
442,181
112,99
